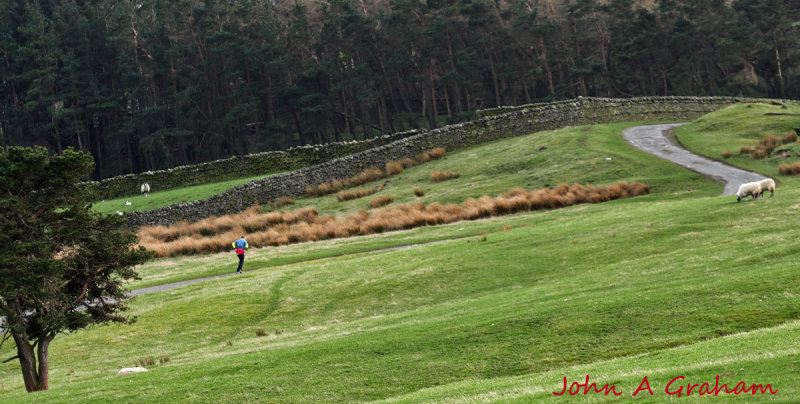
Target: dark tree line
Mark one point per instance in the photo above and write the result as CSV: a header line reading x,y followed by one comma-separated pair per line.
x,y
151,84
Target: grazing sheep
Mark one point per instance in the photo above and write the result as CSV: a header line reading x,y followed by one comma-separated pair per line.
x,y
145,189
767,185
130,371
750,188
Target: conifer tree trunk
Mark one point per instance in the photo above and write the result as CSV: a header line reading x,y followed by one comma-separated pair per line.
x,y
36,378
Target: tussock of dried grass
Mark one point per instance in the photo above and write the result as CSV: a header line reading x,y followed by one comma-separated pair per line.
x,y
393,168
437,175
433,154
281,202
374,173
381,201
342,196
419,192
279,228
766,145
789,169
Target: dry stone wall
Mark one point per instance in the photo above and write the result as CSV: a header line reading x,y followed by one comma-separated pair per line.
x,y
493,125
238,166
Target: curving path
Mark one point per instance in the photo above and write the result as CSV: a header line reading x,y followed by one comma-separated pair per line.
x,y
654,140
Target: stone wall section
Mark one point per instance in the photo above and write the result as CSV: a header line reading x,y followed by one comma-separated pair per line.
x,y
250,165
491,125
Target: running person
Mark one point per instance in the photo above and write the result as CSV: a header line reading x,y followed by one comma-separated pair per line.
x,y
240,245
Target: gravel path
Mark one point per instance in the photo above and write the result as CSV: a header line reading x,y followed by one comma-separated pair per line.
x,y
654,140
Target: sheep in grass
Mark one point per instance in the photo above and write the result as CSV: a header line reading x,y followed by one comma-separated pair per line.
x,y
767,185
145,189
750,188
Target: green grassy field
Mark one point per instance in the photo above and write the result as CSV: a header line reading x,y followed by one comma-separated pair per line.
x,y
585,154
677,283
157,198
744,125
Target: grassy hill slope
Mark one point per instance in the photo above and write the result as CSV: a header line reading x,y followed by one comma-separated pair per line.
x,y
573,155
653,286
159,198
561,288
744,125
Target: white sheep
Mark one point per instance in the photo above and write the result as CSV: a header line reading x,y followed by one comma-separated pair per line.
x,y
767,185
750,188
145,189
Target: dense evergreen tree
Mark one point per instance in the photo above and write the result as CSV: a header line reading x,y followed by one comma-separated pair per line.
x,y
145,85
62,266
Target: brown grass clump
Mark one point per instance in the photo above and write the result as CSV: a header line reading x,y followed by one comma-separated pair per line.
x,y
433,154
381,201
406,162
760,152
146,361
373,173
789,169
438,175
419,192
770,142
358,193
281,202
368,175
767,144
726,154
301,225
394,168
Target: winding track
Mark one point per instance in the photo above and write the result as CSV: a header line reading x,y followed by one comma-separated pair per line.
x,y
653,139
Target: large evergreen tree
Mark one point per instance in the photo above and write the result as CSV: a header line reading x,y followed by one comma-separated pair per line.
x,y
62,266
